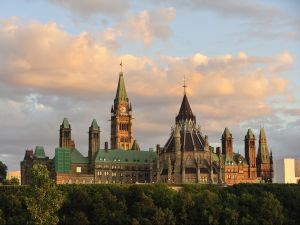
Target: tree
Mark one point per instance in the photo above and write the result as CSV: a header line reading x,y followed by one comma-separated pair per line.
x,y
207,208
2,220
271,210
44,199
3,171
12,181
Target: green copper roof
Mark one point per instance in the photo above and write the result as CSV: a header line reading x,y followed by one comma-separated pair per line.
x,y
226,133
94,124
135,146
249,134
39,152
122,156
65,123
77,157
62,160
121,91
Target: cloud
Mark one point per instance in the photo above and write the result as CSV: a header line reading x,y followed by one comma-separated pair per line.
x,y
150,25
230,8
47,74
88,8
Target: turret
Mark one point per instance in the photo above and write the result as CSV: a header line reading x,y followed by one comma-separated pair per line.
x,y
94,140
264,161
65,134
263,150
227,148
250,153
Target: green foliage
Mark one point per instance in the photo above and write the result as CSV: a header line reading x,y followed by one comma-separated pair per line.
x,y
12,181
44,199
152,204
3,171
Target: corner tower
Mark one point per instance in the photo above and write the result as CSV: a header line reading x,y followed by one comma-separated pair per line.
x,y
263,160
121,119
227,148
94,140
65,140
250,153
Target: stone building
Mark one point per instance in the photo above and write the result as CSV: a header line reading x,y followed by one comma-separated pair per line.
x,y
124,162
187,156
31,157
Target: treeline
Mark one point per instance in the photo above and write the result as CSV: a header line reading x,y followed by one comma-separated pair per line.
x,y
159,204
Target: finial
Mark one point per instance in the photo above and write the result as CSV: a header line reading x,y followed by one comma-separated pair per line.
x,y
184,85
121,65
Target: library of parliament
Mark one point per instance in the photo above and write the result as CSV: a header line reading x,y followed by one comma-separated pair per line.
x,y
186,157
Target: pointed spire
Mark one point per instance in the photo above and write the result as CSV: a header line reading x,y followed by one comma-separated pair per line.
x,y
121,95
263,150
226,133
135,146
65,124
249,134
185,112
262,134
94,124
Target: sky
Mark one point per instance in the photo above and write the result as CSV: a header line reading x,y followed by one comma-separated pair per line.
x,y
60,58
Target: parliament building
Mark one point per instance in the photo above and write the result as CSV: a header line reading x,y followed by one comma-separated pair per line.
x,y
186,156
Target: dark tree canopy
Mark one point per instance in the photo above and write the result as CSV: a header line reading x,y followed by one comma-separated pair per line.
x,y
149,204
3,172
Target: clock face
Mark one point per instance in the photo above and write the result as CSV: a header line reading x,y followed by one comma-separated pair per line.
x,y
122,109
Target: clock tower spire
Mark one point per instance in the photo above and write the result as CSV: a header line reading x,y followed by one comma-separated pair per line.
x,y
121,118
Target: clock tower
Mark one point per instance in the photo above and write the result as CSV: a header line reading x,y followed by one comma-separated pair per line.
x,y
121,119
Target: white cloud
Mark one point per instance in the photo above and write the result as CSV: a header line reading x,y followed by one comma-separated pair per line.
x,y
87,8
150,25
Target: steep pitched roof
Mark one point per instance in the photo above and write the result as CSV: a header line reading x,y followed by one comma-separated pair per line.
x,y
262,134
65,124
190,140
226,133
135,146
94,124
121,94
39,152
77,157
185,111
249,134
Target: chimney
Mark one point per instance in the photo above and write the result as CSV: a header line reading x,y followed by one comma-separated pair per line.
x,y
157,149
106,145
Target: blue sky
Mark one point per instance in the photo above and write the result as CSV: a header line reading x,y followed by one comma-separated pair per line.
x,y
60,58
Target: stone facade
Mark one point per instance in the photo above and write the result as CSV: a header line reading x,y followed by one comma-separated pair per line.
x,y
121,119
186,157
123,163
